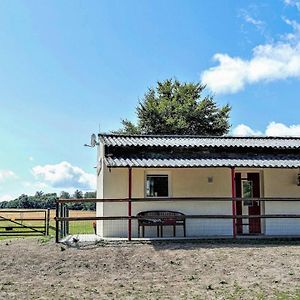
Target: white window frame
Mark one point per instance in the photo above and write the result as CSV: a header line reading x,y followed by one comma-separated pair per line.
x,y
153,173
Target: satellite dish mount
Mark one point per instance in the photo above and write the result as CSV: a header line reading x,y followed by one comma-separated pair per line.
x,y
93,141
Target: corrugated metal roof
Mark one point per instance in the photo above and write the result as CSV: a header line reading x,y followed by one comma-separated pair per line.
x,y
199,141
251,162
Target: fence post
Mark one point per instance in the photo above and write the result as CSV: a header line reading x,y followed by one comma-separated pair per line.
x,y
47,221
57,222
67,222
233,202
129,202
61,213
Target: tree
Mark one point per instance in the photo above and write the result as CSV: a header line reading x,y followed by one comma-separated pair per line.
x,y
89,195
173,107
39,194
64,195
78,194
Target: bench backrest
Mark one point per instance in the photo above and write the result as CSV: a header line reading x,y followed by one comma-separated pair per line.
x,y
159,213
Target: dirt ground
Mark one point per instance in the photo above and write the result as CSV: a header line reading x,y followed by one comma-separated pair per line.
x,y
37,268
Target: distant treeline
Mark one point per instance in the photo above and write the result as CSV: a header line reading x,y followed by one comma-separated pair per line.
x,y
41,200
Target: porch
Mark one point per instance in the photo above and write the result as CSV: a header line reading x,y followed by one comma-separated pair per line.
x,y
209,224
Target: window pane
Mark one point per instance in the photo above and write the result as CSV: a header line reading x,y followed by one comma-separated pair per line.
x,y
247,191
157,186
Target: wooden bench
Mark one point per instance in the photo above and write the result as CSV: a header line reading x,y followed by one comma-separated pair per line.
x,y
160,218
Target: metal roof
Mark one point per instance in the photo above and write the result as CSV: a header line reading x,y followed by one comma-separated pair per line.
x,y
251,162
183,141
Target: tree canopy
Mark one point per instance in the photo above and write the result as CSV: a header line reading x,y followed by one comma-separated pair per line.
x,y
42,201
173,107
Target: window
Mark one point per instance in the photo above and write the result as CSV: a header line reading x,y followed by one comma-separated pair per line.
x,y
157,186
247,192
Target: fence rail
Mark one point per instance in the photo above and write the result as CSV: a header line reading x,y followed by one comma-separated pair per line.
x,y
276,216
24,222
124,200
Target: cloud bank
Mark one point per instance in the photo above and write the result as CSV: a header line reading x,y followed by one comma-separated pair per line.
x,y
268,62
295,3
273,129
64,175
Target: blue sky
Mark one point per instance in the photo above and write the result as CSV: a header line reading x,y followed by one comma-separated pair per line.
x,y
67,67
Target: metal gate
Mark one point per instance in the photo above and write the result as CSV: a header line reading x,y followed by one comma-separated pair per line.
x,y
24,222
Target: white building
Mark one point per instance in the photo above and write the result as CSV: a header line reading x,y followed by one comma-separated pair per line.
x,y
218,179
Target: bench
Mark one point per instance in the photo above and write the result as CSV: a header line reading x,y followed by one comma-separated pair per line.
x,y
160,218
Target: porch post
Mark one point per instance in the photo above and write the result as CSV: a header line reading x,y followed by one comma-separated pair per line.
x,y
233,193
129,202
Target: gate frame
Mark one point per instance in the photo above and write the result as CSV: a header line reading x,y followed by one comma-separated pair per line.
x,y
33,230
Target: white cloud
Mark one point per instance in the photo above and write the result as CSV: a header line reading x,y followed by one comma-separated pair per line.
x,y
253,21
5,174
295,3
6,197
244,130
248,18
64,175
279,129
295,35
273,129
268,62
31,158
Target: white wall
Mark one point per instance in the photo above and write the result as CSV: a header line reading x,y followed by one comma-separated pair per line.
x,y
194,182
282,183
183,183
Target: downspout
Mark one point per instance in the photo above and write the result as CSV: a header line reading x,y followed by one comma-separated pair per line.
x,y
233,194
129,202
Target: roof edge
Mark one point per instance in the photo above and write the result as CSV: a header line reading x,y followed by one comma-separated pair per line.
x,y
197,136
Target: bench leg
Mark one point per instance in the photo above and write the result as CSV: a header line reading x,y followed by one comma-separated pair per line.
x,y
174,230
139,231
157,228
143,231
184,232
161,231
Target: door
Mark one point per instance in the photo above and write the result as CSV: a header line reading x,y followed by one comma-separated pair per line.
x,y
248,187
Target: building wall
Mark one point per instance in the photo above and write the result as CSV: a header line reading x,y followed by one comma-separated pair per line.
x,y
194,183
182,183
282,183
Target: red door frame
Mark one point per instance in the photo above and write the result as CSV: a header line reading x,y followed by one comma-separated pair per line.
x,y
129,202
255,209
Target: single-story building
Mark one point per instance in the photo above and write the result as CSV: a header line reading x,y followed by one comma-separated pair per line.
x,y
225,186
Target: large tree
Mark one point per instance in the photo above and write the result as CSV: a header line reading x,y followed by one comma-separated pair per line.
x,y
173,107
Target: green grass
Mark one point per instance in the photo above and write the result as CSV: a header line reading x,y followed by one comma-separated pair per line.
x,y
75,227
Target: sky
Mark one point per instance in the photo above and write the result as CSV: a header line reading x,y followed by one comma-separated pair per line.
x,y
71,68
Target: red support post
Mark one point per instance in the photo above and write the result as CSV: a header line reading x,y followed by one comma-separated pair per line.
x,y
233,192
129,202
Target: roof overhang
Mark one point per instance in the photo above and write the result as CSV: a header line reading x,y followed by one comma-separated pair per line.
x,y
115,162
165,151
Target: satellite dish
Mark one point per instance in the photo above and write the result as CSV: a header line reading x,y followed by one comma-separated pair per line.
x,y
93,140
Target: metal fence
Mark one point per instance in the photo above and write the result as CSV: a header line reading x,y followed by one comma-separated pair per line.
x,y
184,217
24,222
